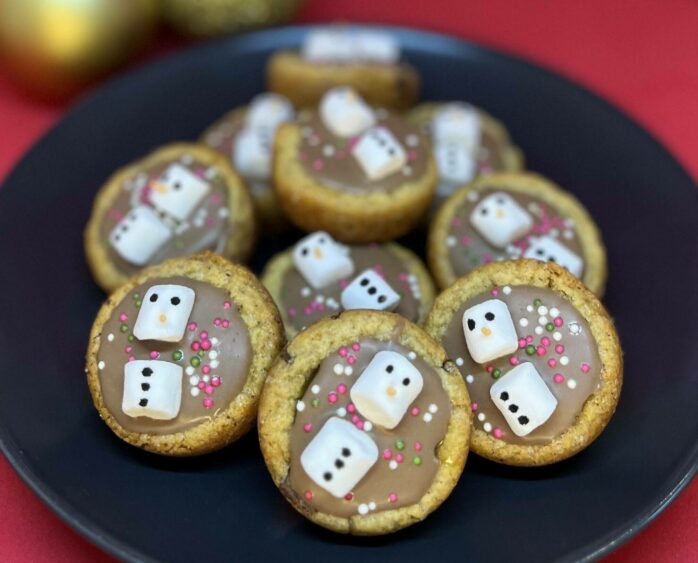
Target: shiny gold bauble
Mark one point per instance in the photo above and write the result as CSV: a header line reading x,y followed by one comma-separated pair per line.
x,y
210,18
55,47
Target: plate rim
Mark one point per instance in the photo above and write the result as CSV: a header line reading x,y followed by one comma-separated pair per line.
x,y
110,544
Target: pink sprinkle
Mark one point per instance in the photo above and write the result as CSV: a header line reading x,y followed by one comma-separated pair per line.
x,y
585,367
332,397
402,276
529,339
209,390
132,359
351,360
540,350
206,345
474,407
497,433
195,345
360,425
392,497
154,355
545,341
204,335
215,381
418,446
302,156
307,427
216,199
123,317
487,258
415,411
356,346
192,326
339,155
342,388
465,240
495,292
206,370
559,348
558,378
355,419
387,454
208,402
552,362
343,284
225,323
308,495
210,221
216,322
399,458
343,352
318,164
227,305
490,369
514,361
411,154
128,349
320,307
308,311
522,342
557,321
291,312
456,221
351,407
201,384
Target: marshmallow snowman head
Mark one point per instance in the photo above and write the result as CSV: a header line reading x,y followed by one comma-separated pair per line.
x,y
376,47
456,164
369,291
328,45
164,313
252,153
523,398
268,111
344,112
500,220
339,456
489,331
178,191
379,153
152,388
321,260
547,248
457,124
386,388
139,235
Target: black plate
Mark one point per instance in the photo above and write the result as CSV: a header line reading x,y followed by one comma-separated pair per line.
x,y
224,506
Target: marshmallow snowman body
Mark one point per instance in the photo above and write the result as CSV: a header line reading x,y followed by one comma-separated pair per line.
x,y
376,47
268,111
455,163
386,388
500,220
164,313
152,388
489,331
321,260
345,113
139,235
328,45
547,248
178,191
369,291
379,153
457,124
339,456
523,398
252,153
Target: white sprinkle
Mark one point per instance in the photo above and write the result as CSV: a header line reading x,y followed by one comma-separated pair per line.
x,y
554,312
338,369
307,131
451,241
315,389
328,150
411,355
300,406
189,370
194,380
206,378
214,340
393,464
372,505
469,378
574,328
433,409
363,509
554,233
427,417
320,298
472,196
459,362
412,140
110,337
542,310
348,370
305,292
538,330
487,426
368,426
506,290
100,365
523,321
211,172
194,391
557,336
530,308
481,416
213,354
564,360
568,234
223,212
186,159
214,364
543,321
571,383
341,411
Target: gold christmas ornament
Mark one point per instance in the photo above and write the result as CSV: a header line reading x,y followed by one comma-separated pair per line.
x,y
57,46
210,18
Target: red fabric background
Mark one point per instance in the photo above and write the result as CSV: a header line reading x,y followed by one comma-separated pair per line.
x,y
642,55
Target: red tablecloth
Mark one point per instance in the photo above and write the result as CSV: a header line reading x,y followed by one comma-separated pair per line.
x,y
642,55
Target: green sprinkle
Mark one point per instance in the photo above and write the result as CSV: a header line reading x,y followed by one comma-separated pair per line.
x,y
179,244
124,328
550,327
315,402
195,361
400,445
417,460
497,373
138,302
131,338
201,353
530,349
537,302
136,296
177,355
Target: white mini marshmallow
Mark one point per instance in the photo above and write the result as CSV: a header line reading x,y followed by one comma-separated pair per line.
x,y
152,388
386,388
379,153
344,112
369,291
523,398
139,235
455,163
164,313
339,456
329,45
178,191
458,124
268,111
489,331
321,260
547,248
376,47
500,220
252,153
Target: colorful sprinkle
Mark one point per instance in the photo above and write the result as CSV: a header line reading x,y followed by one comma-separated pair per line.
x,y
315,402
308,495
208,402
585,367
154,355
558,378
392,497
417,460
307,427
497,373
400,445
530,350
195,361
177,355
497,432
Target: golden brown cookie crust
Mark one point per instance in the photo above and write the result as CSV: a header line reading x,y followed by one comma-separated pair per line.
x,y
512,156
534,185
267,208
393,86
349,217
278,265
240,209
296,366
263,322
599,407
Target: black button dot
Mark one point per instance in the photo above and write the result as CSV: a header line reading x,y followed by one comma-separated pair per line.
x,y
143,402
513,408
346,452
406,381
338,463
327,476
489,316
147,372
523,420
382,299
504,396
372,290
364,282
304,252
145,386
389,368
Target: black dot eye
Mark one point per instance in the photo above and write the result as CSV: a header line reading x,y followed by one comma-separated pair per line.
x,y
382,299
175,301
489,316
483,211
372,290
552,258
338,463
540,252
523,420
504,396
145,386
363,282
147,372
321,240
124,228
177,185
304,251
327,476
153,297
471,324
389,368
501,201
143,402
406,381
117,238
346,452
513,408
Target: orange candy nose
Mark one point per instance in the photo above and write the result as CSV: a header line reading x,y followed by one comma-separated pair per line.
x,y
500,214
163,318
391,392
318,253
486,331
